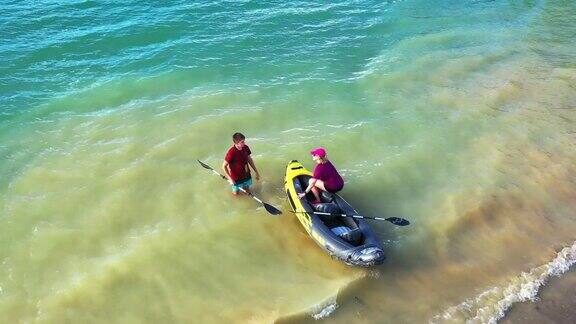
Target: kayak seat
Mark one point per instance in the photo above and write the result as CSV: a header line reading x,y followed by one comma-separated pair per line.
x,y
326,197
330,207
350,235
353,236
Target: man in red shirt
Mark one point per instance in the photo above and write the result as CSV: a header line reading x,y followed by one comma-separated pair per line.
x,y
236,163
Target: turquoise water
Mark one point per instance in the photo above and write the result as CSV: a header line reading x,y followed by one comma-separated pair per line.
x,y
458,116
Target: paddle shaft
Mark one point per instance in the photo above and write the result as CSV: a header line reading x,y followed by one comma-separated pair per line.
x,y
346,215
394,220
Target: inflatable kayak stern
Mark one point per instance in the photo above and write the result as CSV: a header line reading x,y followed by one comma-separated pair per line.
x,y
367,257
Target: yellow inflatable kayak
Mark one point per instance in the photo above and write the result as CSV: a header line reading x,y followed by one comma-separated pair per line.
x,y
348,239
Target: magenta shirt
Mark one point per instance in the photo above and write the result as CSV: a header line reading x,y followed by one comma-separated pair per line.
x,y
328,174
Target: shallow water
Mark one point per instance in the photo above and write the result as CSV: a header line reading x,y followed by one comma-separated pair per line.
x,y
456,116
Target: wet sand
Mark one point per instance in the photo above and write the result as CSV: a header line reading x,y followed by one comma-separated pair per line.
x,y
556,303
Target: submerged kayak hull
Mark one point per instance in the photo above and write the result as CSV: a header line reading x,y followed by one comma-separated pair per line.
x,y
359,246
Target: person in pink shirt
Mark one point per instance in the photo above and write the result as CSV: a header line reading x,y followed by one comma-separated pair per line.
x,y
325,177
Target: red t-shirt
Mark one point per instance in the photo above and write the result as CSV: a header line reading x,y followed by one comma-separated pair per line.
x,y
238,162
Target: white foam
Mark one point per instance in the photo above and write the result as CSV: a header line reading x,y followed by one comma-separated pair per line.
x,y
325,311
491,305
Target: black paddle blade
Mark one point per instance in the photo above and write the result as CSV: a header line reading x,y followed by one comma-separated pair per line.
x,y
398,221
204,165
271,209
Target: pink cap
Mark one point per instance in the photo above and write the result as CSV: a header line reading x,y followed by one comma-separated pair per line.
x,y
320,151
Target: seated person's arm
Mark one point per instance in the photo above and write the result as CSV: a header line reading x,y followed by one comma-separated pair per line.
x,y
310,186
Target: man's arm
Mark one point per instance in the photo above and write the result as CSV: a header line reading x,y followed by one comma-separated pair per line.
x,y
226,169
251,162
